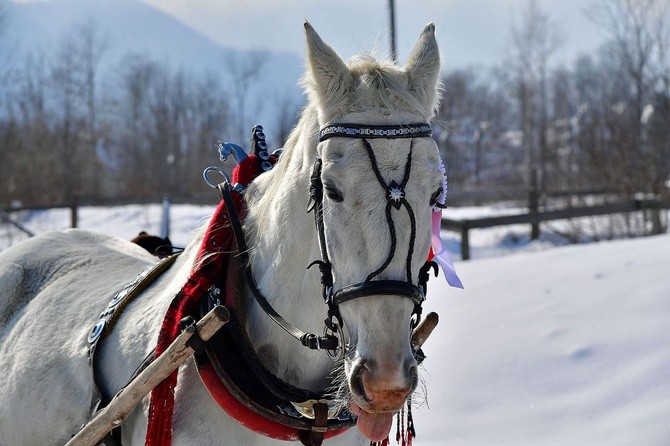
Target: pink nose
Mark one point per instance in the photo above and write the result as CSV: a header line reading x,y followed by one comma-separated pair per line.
x,y
385,388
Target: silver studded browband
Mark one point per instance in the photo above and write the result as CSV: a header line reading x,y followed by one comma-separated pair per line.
x,y
375,131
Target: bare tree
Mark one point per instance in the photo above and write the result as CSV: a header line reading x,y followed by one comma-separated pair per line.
x,y
90,46
67,86
244,71
535,40
287,117
638,32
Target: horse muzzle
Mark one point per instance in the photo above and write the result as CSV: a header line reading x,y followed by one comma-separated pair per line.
x,y
379,387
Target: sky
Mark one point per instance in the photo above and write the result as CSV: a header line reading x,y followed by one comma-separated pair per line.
x,y
469,32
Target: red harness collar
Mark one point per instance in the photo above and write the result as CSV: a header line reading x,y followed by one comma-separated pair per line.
x,y
212,261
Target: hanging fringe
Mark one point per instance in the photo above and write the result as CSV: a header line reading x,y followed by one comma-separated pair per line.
x,y
159,431
405,432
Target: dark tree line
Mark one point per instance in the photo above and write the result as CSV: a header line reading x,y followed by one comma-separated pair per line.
x,y
601,124
75,123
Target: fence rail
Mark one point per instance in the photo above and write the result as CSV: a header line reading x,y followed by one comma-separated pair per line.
x,y
536,217
533,217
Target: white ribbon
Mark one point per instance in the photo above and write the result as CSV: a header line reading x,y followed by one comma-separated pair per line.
x,y
439,247
441,253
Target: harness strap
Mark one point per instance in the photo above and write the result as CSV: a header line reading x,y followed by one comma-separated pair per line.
x,y
313,341
320,426
110,315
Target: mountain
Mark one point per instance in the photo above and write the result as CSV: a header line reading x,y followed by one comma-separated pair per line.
x,y
130,26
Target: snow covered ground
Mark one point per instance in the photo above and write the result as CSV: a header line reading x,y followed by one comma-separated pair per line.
x,y
569,346
546,345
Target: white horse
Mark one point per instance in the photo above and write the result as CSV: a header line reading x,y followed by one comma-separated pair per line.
x,y
52,287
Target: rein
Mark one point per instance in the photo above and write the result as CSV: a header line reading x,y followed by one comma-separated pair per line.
x,y
309,340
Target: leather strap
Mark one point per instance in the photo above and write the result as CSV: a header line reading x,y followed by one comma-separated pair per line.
x,y
319,427
379,288
370,131
314,342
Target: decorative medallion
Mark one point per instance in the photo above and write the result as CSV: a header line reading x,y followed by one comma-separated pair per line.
x,y
395,194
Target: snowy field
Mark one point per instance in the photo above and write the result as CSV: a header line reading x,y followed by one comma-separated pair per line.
x,y
547,345
569,346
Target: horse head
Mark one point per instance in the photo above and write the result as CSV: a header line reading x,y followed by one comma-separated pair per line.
x,y
378,196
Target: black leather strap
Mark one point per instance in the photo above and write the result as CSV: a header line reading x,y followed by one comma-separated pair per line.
x,y
379,288
310,340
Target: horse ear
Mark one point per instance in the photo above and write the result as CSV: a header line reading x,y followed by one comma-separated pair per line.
x,y
423,67
329,74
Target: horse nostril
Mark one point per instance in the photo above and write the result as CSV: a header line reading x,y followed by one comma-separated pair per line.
x,y
356,379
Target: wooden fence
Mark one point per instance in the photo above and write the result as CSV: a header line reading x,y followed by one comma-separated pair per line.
x,y
535,216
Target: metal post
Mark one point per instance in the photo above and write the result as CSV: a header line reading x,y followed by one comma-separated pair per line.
x,y
394,52
534,205
165,217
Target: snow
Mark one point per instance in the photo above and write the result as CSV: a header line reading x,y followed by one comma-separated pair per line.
x,y
564,346
546,345
120,221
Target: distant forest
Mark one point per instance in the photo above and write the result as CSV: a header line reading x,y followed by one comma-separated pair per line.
x,y
600,124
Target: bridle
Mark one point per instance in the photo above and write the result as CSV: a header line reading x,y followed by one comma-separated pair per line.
x,y
395,196
332,339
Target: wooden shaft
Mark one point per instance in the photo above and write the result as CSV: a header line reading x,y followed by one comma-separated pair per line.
x,y
131,395
425,328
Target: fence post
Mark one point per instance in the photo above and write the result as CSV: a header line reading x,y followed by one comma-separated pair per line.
x,y
465,241
165,217
74,211
533,205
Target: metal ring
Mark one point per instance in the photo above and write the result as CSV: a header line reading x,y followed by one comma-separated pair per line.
x,y
208,180
339,353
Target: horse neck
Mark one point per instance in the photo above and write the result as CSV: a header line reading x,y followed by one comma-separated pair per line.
x,y
283,242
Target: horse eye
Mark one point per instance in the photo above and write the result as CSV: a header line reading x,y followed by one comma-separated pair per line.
x,y
333,193
435,196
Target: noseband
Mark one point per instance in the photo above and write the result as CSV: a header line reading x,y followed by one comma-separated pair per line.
x,y
395,196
